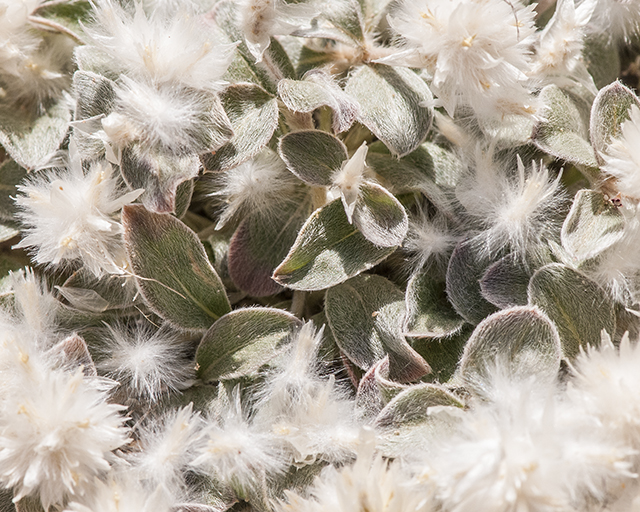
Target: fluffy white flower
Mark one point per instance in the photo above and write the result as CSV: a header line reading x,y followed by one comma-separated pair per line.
x,y
619,19
147,362
167,446
69,216
56,434
371,483
523,450
167,46
430,240
123,494
349,178
261,185
622,157
559,50
515,211
476,50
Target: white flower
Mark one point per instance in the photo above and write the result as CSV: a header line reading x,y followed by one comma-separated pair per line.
x,y
168,46
349,178
430,240
260,186
559,49
622,157
619,19
518,212
167,446
476,50
371,483
69,216
123,494
146,361
56,434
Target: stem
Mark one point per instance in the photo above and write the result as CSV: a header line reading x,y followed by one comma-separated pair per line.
x,y
56,27
298,303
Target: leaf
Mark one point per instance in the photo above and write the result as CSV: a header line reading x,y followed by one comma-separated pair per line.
x,y
69,14
520,341
253,114
443,354
395,104
158,174
563,133
32,138
346,16
429,313
379,216
610,109
467,265
242,342
11,174
313,156
411,406
578,306
328,251
260,243
505,282
172,270
593,225
365,315
602,57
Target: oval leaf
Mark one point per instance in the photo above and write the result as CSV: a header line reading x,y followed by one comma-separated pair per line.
x,y
394,105
504,284
242,342
313,156
520,342
576,304
379,216
253,114
593,225
172,270
328,251
365,316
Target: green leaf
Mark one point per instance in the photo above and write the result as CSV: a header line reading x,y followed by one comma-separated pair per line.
x,y
429,313
11,174
69,14
578,306
32,138
313,156
505,282
253,114
520,341
158,174
610,109
593,225
261,242
172,270
563,133
467,265
602,57
443,354
411,406
328,251
346,16
242,342
379,216
365,315
395,104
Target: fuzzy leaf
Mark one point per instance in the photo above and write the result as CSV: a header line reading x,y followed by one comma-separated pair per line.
x,y
610,109
346,16
328,251
592,226
365,315
379,216
32,138
313,156
443,354
253,114
521,341
576,304
467,265
563,133
411,406
260,243
11,174
68,14
242,342
96,94
395,104
7,233
172,270
504,284
602,57
429,313
158,174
